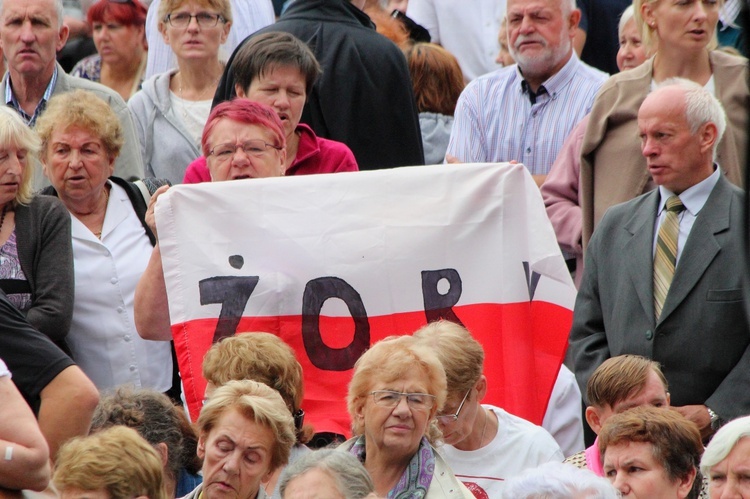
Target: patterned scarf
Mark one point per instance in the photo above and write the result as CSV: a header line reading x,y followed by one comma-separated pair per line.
x,y
416,479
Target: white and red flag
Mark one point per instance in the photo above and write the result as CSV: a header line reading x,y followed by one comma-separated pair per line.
x,y
334,263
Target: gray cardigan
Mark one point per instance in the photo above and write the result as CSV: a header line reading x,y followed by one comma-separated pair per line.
x,y
46,255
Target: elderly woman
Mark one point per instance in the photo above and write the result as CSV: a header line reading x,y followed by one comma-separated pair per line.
x,y
560,481
118,33
652,453
245,434
727,459
242,140
265,358
116,463
163,425
328,473
397,388
171,109
279,70
81,138
36,259
613,170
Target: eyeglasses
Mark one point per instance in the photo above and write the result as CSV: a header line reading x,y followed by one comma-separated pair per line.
x,y
204,19
452,418
416,401
254,147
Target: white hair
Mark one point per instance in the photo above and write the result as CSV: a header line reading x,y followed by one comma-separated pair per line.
x,y
701,107
559,481
625,18
351,478
723,442
58,9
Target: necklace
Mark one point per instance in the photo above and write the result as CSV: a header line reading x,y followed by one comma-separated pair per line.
x,y
484,428
2,217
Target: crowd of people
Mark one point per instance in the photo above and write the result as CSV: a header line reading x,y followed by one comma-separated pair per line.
x,y
632,118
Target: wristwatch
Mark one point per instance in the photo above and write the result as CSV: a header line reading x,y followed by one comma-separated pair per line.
x,y
716,421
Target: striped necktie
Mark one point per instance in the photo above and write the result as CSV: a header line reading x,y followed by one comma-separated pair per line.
x,y
666,253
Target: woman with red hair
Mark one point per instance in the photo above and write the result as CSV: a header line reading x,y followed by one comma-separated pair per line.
x,y
118,33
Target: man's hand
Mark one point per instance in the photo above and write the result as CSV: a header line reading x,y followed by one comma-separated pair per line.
x,y
452,159
698,414
150,218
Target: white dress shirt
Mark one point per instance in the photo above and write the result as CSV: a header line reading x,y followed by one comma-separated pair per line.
x,y
249,16
103,338
466,28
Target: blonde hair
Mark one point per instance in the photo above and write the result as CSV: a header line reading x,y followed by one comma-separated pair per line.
x,y
649,36
13,131
81,109
389,360
256,402
223,7
117,460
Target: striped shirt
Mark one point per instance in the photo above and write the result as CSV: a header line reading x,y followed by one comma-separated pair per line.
x,y
10,98
495,120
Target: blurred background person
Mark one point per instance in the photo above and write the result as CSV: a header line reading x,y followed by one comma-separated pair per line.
x,y
81,139
504,56
115,463
36,257
171,109
560,481
279,70
25,452
397,388
437,82
328,473
265,358
245,434
120,62
649,452
484,444
155,417
726,460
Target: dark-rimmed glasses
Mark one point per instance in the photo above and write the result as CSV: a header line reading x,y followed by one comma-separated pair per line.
x,y
204,19
253,147
416,401
452,418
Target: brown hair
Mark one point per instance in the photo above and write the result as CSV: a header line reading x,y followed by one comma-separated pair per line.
x,y
436,78
619,378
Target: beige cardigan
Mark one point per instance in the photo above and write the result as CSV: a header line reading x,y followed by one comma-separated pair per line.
x,y
612,168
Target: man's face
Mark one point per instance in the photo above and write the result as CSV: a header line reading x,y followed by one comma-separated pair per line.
x,y
30,36
540,36
676,158
652,394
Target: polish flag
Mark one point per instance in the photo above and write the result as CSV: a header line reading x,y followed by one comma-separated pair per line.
x,y
333,263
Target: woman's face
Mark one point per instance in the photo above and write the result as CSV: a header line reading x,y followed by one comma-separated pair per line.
x,y
632,52
396,430
198,40
77,164
284,89
117,43
13,161
731,477
265,161
456,430
635,472
236,457
682,24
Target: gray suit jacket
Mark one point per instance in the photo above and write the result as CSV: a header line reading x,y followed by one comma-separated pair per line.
x,y
129,164
702,338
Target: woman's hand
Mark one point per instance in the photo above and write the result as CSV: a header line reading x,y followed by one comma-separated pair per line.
x,y
150,217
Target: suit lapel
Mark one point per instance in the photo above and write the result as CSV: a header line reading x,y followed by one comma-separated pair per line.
x,y
637,258
701,247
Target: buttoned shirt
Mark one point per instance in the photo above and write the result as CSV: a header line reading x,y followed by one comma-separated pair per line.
x,y
248,17
693,199
467,28
10,98
495,120
102,337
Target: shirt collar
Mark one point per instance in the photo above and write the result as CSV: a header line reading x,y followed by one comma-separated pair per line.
x,y
10,98
694,197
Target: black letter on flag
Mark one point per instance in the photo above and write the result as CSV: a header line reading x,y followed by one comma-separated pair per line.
x,y
531,280
233,294
436,305
317,291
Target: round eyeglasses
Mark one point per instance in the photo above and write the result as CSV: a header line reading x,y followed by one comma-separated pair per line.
x,y
416,401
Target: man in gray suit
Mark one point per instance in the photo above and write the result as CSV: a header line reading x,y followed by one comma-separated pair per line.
x,y
665,272
31,32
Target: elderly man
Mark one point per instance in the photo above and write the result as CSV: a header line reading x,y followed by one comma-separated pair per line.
x,y
664,272
525,112
31,32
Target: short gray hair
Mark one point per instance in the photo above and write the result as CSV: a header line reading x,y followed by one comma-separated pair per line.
x,y
352,479
58,9
723,442
701,107
625,18
558,481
